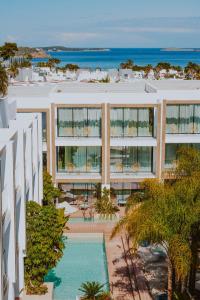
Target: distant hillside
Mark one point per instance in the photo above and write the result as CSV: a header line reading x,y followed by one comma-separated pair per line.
x,y
62,48
32,52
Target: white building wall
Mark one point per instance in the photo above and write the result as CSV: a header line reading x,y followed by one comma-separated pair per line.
x,y
20,157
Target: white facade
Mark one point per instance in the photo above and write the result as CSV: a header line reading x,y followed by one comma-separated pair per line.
x,y
20,181
157,95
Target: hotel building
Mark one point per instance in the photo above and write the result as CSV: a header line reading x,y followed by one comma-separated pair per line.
x,y
20,181
113,134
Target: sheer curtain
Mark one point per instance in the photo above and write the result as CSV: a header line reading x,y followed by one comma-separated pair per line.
x,y
93,159
144,126
130,122
170,154
116,165
172,118
116,122
130,162
65,126
145,159
94,122
197,118
186,119
80,121
79,159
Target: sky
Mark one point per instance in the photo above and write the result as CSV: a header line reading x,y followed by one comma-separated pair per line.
x,y
101,23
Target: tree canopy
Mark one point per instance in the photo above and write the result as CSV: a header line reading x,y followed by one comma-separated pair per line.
x,y
166,213
3,81
45,245
50,192
8,50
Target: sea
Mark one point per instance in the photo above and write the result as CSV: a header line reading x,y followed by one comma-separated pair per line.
x,y
111,58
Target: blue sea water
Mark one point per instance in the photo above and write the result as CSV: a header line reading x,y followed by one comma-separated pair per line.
x,y
84,259
113,57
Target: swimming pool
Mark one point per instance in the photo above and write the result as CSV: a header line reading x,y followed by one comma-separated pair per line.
x,y
90,220
84,259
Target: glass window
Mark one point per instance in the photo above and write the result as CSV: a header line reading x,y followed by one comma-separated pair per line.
x,y
131,159
197,118
116,164
129,122
79,159
130,162
94,122
44,160
145,122
116,117
93,159
65,127
171,153
124,190
44,126
79,122
183,119
186,119
172,119
145,159
75,190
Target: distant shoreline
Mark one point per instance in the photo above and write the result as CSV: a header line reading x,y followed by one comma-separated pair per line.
x,y
68,49
180,49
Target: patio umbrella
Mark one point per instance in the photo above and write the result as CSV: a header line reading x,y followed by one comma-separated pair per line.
x,y
68,208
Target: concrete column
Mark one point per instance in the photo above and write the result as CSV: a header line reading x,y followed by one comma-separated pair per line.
x,y
29,165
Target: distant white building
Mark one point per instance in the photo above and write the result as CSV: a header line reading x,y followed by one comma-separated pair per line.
x,y
87,75
113,75
125,74
20,181
151,75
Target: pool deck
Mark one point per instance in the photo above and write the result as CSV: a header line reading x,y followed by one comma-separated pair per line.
x,y
126,278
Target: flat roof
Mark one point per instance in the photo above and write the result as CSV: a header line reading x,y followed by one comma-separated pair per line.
x,y
120,87
46,89
31,90
41,95
175,84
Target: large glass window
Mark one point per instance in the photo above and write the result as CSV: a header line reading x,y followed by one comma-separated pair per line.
x,y
129,122
124,190
131,159
74,191
183,118
79,159
171,153
79,122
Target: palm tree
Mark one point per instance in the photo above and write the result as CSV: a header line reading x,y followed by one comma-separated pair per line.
x,y
3,81
52,62
105,206
8,50
127,64
91,290
188,171
13,70
162,218
71,67
192,70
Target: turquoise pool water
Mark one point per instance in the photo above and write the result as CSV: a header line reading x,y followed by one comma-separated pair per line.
x,y
84,259
89,220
